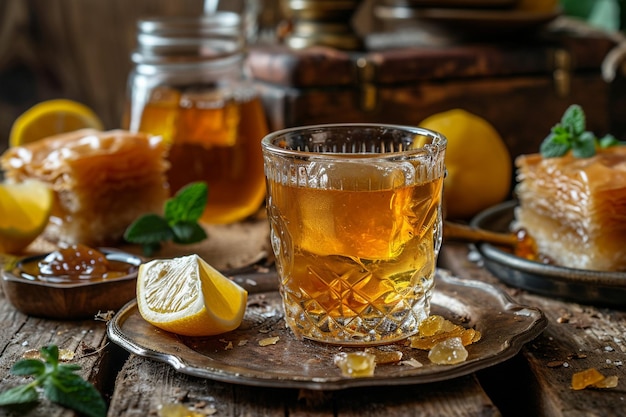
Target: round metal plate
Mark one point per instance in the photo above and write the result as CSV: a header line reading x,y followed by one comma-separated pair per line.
x,y
237,357
585,286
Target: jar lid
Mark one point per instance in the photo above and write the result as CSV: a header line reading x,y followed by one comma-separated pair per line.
x,y
189,38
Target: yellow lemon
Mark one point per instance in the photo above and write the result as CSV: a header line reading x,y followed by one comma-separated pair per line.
x,y
24,213
50,118
187,296
478,163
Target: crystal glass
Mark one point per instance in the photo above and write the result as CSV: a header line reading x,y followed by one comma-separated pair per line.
x,y
355,217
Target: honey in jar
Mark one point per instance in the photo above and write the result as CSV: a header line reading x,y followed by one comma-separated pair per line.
x,y
190,86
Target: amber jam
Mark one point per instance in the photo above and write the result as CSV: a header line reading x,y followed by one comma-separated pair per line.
x,y
77,263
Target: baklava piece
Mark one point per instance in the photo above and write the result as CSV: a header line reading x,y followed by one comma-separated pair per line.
x,y
575,208
103,181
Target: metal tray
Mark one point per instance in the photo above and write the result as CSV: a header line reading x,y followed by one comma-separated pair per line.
x,y
237,357
584,286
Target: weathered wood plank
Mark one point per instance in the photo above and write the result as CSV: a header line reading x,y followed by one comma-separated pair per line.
x,y
20,333
581,336
144,385
577,337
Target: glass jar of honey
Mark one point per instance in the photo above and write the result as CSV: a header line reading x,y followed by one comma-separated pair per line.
x,y
190,85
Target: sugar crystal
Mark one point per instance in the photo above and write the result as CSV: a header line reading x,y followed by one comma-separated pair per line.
x,y
448,352
356,364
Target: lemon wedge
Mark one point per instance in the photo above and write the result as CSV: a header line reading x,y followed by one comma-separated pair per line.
x,y
187,296
50,118
24,212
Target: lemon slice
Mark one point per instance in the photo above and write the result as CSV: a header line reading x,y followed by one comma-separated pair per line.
x,y
187,296
50,118
24,212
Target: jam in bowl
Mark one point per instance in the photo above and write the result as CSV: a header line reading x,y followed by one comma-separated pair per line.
x,y
79,263
77,282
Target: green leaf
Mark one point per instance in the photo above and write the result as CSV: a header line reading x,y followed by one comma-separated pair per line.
x,y
188,204
22,394
570,134
607,141
188,232
147,230
71,391
150,248
60,384
574,120
181,215
553,146
561,134
28,367
68,367
584,146
50,354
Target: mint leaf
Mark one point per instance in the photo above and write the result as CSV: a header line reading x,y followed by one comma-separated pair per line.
x,y
22,394
188,232
150,248
553,146
584,146
60,384
50,355
28,367
179,224
570,134
574,120
607,141
70,390
561,135
188,204
148,229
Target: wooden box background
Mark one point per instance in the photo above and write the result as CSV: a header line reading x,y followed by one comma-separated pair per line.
x,y
81,50
522,88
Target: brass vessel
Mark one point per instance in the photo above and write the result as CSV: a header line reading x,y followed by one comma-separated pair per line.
x,y
322,22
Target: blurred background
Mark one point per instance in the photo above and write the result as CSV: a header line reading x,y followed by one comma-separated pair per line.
x,y
80,49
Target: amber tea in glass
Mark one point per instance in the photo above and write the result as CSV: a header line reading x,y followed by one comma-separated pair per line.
x,y
355,216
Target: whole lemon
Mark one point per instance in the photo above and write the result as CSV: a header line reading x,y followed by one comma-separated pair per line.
x,y
50,117
478,163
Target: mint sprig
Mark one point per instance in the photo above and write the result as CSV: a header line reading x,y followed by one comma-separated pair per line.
x,y
179,223
60,384
571,134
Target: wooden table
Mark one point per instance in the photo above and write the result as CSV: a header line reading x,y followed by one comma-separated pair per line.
x,y
536,382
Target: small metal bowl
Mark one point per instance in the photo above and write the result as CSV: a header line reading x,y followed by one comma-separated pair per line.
x,y
75,300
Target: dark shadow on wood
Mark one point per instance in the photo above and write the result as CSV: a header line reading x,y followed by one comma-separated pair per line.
x,y
511,386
